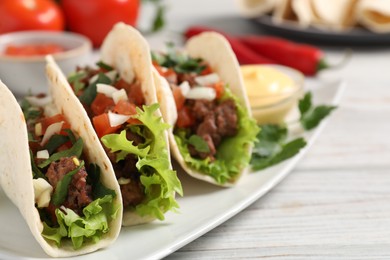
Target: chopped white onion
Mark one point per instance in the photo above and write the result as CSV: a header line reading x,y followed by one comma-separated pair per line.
x,y
207,79
38,129
39,101
93,78
201,93
105,89
184,87
42,192
123,181
119,95
51,130
50,110
43,154
112,74
117,119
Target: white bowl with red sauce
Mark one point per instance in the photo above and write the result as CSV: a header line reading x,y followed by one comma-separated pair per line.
x,y
22,57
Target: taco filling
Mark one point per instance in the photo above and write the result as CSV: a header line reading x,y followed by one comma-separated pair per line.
x,y
212,127
72,202
132,136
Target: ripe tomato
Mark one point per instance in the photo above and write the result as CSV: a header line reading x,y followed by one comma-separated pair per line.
x,y
18,15
95,18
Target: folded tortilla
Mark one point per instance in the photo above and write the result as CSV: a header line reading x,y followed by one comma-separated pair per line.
x,y
299,11
375,15
127,52
256,8
16,176
216,51
334,14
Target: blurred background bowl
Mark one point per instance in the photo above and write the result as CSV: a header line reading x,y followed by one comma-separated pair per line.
x,y
26,74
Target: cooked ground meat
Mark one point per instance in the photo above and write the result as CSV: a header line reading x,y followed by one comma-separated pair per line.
x,y
213,122
79,192
189,77
133,192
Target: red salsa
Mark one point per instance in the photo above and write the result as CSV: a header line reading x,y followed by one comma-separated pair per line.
x,y
33,49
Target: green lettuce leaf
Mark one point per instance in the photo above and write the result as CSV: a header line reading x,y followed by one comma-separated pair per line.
x,y
83,229
159,181
232,154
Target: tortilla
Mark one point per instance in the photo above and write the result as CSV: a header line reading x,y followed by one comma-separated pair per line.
x,y
256,8
222,60
126,50
294,10
16,172
375,15
334,14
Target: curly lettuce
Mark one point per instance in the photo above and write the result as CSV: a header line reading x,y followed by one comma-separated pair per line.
x,y
232,154
159,180
82,229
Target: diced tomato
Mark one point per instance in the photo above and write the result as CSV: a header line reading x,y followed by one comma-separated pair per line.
x,y
124,107
101,104
134,91
184,118
207,70
47,121
168,73
179,98
102,125
219,88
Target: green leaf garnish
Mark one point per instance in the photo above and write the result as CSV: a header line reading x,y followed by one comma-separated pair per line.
x,y
99,190
75,150
61,190
36,171
199,143
104,66
89,95
312,116
55,141
75,79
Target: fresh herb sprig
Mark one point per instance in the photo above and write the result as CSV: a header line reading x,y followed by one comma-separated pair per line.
x,y
273,146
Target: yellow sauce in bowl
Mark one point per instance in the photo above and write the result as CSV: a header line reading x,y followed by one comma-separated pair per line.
x,y
272,90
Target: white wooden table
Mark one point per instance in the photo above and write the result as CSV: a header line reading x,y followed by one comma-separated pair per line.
x,y
336,203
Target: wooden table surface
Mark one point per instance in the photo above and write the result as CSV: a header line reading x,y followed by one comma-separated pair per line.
x,y
335,204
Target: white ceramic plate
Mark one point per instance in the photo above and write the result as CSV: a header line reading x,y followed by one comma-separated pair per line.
x,y
203,207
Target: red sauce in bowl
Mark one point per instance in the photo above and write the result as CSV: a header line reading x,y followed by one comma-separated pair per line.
x,y
33,49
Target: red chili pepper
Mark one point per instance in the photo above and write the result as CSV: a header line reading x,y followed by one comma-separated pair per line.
x,y
305,58
243,53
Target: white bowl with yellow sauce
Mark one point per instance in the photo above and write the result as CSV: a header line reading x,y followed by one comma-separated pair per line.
x,y
273,91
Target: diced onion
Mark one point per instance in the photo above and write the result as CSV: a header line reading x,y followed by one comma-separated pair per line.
x,y
184,87
50,110
38,129
207,79
119,95
51,130
43,154
111,74
117,119
105,89
42,192
39,101
93,78
123,181
201,93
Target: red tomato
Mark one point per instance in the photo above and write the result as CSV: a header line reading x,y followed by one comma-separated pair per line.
x,y
179,98
95,18
124,107
134,91
219,88
47,121
19,15
102,125
101,104
184,118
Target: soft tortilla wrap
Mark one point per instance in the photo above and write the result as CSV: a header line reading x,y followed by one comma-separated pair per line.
x,y
15,168
215,49
127,51
294,10
375,15
256,8
334,14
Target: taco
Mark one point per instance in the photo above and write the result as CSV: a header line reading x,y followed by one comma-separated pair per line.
x,y
120,99
375,15
294,10
202,95
53,171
